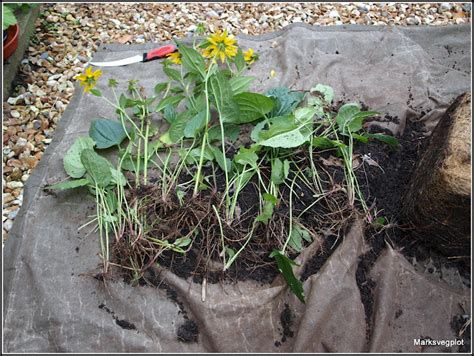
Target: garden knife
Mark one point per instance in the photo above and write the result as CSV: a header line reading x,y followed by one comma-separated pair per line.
x,y
145,57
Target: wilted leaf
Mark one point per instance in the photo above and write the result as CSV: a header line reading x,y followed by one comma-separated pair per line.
x,y
72,160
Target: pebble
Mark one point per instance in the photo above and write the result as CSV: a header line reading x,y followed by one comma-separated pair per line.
x,y
14,185
7,225
445,6
15,114
12,214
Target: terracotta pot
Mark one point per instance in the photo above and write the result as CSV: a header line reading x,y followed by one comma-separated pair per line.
x,y
11,43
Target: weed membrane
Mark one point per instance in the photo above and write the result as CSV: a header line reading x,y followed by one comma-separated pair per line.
x,y
367,287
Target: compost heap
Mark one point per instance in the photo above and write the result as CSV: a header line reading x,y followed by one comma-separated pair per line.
x,y
356,300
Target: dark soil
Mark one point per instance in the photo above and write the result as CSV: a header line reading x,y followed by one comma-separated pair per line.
x,y
188,332
124,324
286,319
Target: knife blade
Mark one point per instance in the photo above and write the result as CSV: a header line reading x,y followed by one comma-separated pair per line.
x,y
145,57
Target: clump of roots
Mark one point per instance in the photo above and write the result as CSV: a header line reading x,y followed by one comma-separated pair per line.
x,y
166,220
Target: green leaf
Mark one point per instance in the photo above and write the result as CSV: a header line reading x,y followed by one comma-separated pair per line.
x,y
70,184
96,92
182,242
268,206
176,130
246,156
389,140
324,142
195,125
160,87
192,60
288,139
117,177
379,221
285,100
194,155
298,233
230,252
107,133
286,168
277,174
222,93
97,167
270,198
231,132
72,160
252,106
326,91
255,134
239,60
266,214
169,100
172,73
222,161
9,18
356,123
240,84
345,115
285,267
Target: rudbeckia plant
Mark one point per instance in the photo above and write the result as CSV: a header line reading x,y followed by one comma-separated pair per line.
x,y
220,139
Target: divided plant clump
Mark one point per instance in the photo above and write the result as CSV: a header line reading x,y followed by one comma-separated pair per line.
x,y
236,177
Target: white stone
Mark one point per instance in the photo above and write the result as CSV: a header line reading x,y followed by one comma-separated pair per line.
x,y
15,114
445,6
14,185
334,14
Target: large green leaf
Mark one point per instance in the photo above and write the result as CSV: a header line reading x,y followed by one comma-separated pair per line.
x,y
72,160
107,133
195,125
97,167
252,106
192,60
71,184
285,267
240,84
285,100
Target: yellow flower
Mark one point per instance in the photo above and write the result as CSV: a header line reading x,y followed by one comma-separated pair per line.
x,y
221,45
89,79
175,57
272,73
249,56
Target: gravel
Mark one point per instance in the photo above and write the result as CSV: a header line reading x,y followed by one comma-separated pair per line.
x,y
67,35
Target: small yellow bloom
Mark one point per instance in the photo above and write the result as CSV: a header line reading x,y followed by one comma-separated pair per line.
x,y
249,56
89,79
175,57
272,73
221,45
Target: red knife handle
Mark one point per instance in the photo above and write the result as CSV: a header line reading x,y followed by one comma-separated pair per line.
x,y
158,53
